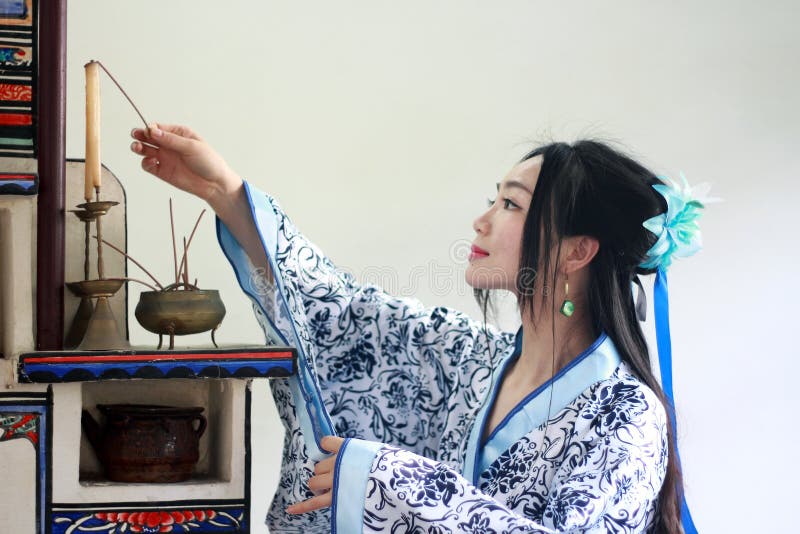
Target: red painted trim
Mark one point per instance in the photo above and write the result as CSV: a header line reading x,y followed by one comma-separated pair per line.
x,y
16,119
161,357
17,176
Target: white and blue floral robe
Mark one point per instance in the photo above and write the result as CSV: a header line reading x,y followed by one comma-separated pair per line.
x,y
410,388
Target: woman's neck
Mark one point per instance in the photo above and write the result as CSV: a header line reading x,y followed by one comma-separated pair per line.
x,y
573,335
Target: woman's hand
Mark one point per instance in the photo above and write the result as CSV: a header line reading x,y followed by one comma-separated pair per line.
x,y
181,158
322,481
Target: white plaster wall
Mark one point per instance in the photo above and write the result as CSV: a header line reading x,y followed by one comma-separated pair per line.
x,y
382,126
18,494
17,270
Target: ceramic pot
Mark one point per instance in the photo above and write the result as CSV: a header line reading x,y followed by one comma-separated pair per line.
x,y
146,443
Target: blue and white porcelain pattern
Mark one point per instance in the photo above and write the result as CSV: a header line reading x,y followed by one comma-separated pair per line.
x,y
598,468
388,370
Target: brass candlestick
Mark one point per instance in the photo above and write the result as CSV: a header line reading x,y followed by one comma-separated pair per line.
x,y
81,320
95,327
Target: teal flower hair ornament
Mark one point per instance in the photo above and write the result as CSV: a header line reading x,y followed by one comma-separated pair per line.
x,y
678,230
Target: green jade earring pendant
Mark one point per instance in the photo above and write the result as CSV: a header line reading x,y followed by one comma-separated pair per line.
x,y
567,307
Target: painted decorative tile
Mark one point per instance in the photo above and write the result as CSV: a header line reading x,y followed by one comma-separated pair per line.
x,y
27,416
14,9
18,64
19,425
151,519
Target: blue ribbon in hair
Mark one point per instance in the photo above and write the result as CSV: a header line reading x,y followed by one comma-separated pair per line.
x,y
678,235
664,343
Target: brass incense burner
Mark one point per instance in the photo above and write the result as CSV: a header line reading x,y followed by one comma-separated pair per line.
x,y
180,308
172,311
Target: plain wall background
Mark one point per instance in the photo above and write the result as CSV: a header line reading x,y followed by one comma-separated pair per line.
x,y
382,127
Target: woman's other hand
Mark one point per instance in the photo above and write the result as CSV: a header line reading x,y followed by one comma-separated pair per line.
x,y
180,157
322,481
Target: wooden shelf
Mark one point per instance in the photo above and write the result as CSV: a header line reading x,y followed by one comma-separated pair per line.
x,y
137,363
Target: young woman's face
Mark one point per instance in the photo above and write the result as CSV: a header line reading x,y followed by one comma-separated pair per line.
x,y
494,261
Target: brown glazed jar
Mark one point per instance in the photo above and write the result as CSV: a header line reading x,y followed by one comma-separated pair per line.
x,y
146,443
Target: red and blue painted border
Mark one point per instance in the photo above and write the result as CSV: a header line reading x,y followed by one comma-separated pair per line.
x,y
18,183
61,366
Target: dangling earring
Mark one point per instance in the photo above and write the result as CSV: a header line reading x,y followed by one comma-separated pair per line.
x,y
567,307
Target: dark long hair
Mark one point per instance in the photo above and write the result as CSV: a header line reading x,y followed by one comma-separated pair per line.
x,y
588,188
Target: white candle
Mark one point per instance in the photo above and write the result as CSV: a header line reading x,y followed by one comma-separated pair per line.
x,y
92,178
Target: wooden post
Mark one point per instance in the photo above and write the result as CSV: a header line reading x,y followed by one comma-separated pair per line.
x,y
51,137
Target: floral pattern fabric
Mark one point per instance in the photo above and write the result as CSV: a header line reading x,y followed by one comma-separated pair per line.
x,y
389,370
597,466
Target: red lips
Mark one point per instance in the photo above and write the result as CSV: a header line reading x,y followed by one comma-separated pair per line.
x,y
477,252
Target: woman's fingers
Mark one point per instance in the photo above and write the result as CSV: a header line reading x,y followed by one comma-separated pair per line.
x,y
145,134
150,161
166,139
173,137
144,149
321,483
331,444
325,466
314,503
151,166
178,129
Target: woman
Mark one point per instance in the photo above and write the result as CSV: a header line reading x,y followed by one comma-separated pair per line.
x,y
446,424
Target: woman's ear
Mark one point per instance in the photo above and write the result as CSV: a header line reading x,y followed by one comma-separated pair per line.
x,y
580,250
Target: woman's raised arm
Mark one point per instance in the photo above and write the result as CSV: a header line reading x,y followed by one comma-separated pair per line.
x,y
180,157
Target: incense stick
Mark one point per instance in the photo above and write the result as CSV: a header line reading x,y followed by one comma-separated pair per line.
x,y
187,245
185,264
139,265
121,89
174,250
129,279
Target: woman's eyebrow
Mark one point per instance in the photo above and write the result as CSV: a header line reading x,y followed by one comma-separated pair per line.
x,y
514,183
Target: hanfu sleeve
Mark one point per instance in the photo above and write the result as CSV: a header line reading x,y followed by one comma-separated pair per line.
x,y
403,492
612,487
370,365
